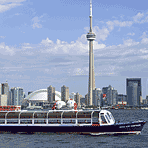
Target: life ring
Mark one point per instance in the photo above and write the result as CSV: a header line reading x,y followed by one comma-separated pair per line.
x,y
17,109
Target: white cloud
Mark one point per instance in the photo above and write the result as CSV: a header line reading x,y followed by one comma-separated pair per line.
x,y
132,34
8,4
144,41
111,24
144,38
130,42
138,17
6,50
10,1
47,42
2,37
143,35
36,22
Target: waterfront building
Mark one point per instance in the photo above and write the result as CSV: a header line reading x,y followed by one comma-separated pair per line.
x,y
86,99
83,101
64,93
91,37
104,100
17,96
111,96
4,92
122,99
51,94
77,98
114,96
133,91
3,100
97,96
144,101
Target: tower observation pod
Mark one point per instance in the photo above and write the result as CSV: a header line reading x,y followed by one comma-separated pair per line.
x,y
91,37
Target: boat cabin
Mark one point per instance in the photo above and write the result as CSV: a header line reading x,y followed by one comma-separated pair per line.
x,y
76,117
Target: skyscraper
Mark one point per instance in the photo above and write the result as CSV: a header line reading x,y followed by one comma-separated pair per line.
x,y
91,37
17,96
51,94
133,90
97,96
64,93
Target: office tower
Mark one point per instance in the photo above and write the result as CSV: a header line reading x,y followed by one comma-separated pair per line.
x,y
97,96
121,98
111,96
4,92
64,93
133,91
51,94
114,96
91,37
77,98
17,96
86,100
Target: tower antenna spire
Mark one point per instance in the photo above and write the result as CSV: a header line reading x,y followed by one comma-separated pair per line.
x,y
90,8
90,16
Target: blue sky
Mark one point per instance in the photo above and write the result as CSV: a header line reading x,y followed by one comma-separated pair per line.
x,y
44,43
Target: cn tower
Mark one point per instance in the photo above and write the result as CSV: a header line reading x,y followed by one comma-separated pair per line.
x,y
91,37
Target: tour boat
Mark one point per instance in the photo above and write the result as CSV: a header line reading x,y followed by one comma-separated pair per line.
x,y
94,122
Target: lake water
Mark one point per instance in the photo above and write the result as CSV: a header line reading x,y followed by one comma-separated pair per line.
x,y
53,140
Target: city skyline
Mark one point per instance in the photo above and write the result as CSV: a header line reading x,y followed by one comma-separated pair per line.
x,y
42,47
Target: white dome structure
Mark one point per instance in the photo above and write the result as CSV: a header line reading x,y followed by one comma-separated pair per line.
x,y
41,95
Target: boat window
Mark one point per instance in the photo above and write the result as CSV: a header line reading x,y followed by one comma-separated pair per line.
x,y
25,121
109,115
69,121
12,121
107,119
54,121
84,121
103,119
26,115
40,115
37,121
2,115
2,121
69,115
96,114
12,115
112,117
54,114
84,115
